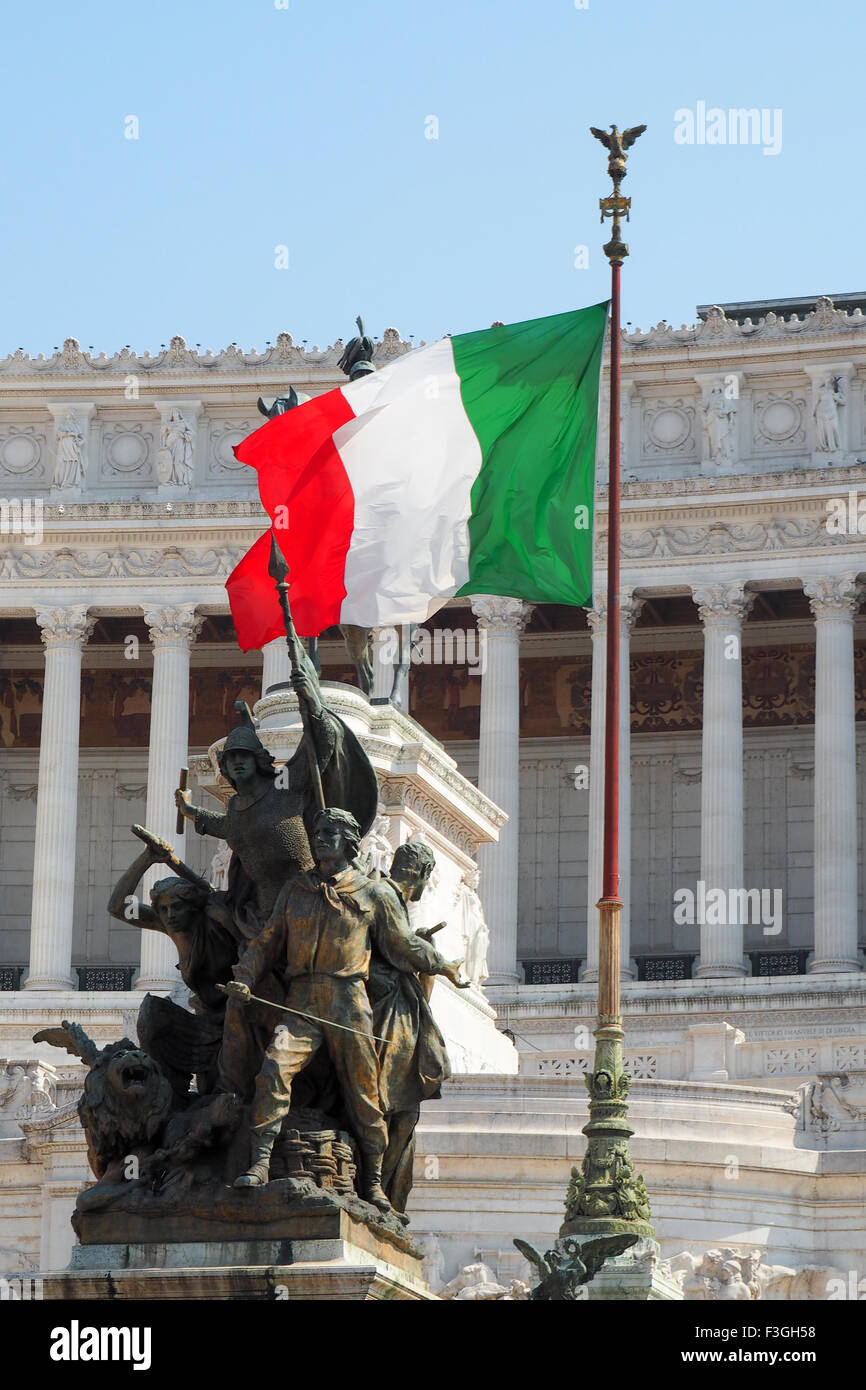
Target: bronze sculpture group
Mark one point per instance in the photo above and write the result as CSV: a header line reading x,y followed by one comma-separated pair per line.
x,y
308,1044
298,1068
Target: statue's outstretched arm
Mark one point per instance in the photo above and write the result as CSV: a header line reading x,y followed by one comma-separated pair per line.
x,y
205,822
124,889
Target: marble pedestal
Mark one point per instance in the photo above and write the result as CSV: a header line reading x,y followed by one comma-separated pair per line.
x,y
319,1254
637,1276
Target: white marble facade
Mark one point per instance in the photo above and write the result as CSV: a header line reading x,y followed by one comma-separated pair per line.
x,y
120,495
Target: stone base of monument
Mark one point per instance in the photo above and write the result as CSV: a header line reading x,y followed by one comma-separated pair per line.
x,y
638,1275
318,1252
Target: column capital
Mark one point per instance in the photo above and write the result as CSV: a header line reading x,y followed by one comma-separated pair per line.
x,y
834,596
498,614
596,616
629,612
176,623
722,603
65,627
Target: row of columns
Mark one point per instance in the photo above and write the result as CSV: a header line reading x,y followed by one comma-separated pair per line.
x,y
173,629
722,609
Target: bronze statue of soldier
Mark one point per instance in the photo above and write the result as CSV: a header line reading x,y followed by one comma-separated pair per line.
x,y
267,820
199,922
264,820
416,1063
264,825
319,939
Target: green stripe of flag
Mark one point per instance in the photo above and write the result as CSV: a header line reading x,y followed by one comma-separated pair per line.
x,y
530,391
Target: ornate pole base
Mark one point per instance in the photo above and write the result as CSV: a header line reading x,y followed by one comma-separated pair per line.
x,y
605,1196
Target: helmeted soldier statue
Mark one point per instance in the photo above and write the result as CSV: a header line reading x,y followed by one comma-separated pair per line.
x,y
319,941
415,1064
266,823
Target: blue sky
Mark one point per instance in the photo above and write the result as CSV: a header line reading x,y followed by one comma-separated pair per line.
x,y
306,127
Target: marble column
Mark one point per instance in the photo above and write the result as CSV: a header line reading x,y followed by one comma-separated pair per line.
x,y
172,631
723,609
834,602
630,608
276,663
64,633
501,622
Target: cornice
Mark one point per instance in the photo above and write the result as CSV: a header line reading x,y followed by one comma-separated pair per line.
x,y
156,513
178,364
716,334
795,480
663,998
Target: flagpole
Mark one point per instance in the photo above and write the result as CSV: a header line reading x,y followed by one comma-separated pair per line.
x,y
605,1196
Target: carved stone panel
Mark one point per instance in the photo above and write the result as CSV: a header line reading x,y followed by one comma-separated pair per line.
x,y
24,457
127,453
668,429
223,435
779,420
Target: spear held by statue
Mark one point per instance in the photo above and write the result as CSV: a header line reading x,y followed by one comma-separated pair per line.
x,y
279,572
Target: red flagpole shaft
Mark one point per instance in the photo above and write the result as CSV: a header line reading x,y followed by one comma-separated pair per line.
x,y
610,878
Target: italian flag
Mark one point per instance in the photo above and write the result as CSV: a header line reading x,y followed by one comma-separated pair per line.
x,y
465,467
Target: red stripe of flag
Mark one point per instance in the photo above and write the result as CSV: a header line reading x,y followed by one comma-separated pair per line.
x,y
307,494
253,598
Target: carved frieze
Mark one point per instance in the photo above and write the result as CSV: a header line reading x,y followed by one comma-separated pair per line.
x,y
740,1275
832,1107
783,1061
725,538
27,1089
126,562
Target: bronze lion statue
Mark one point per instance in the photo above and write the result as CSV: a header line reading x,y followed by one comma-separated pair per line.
x,y
126,1103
